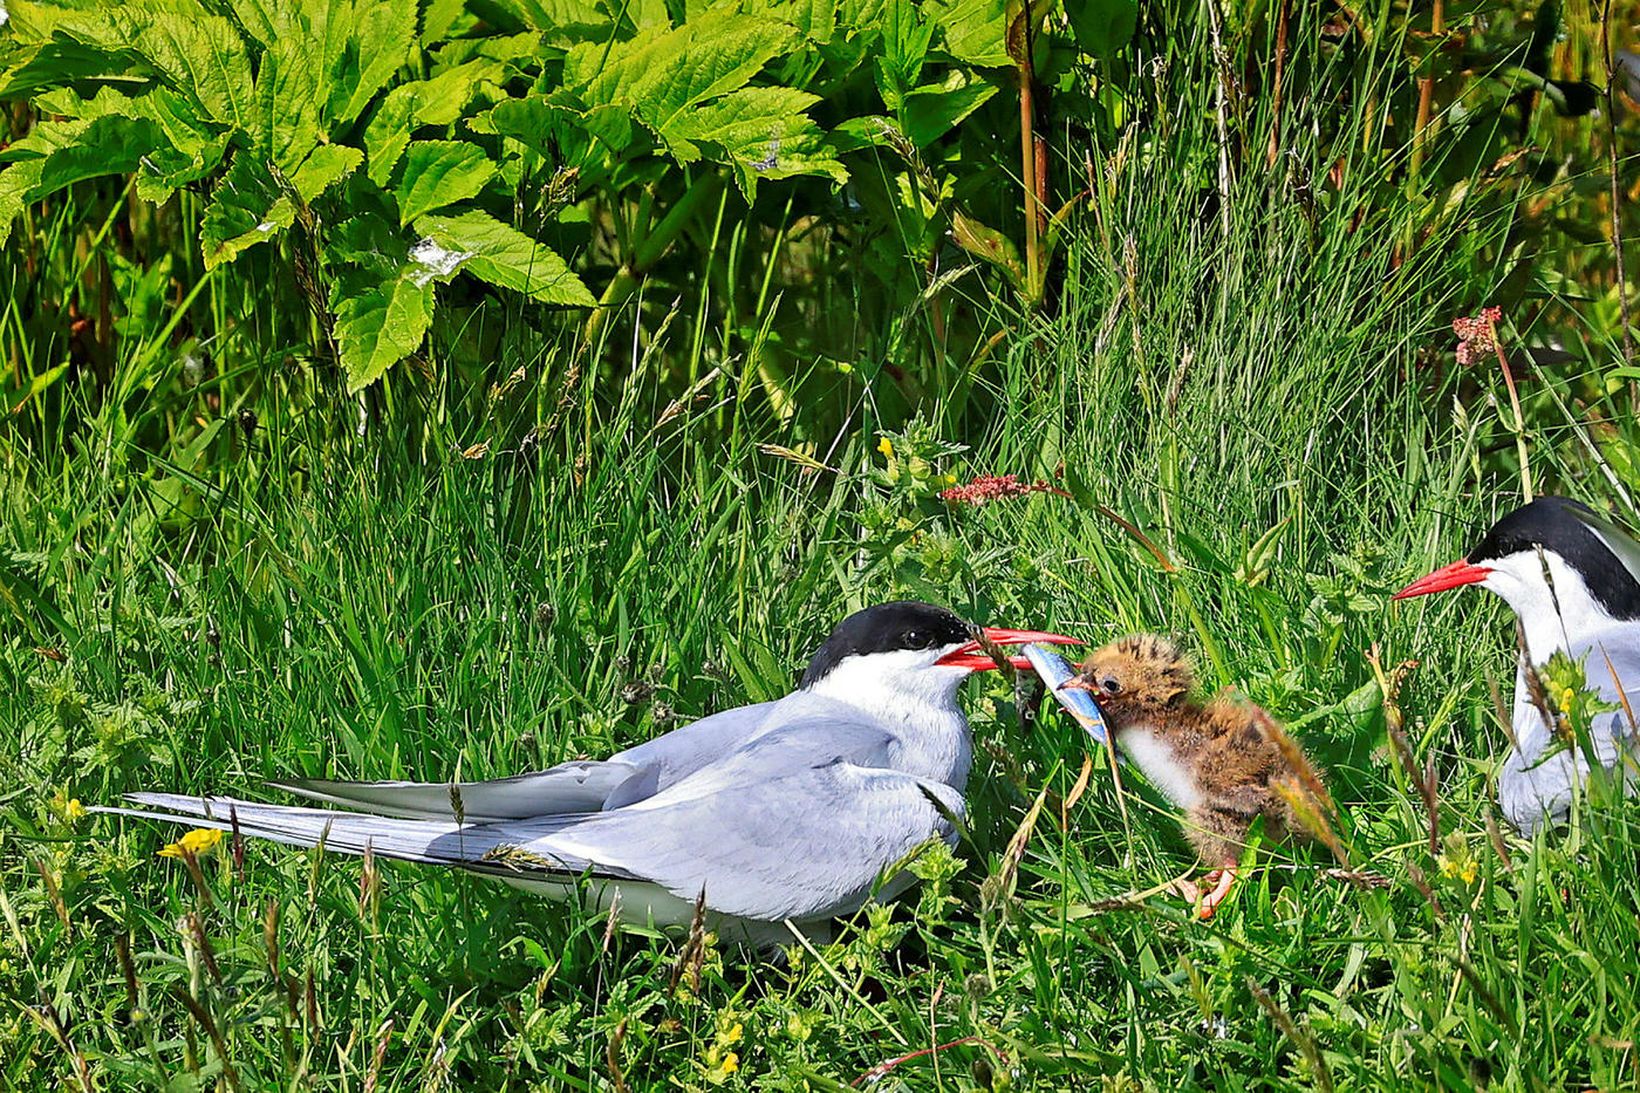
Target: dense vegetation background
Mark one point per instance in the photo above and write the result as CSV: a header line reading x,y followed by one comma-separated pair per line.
x,y
399,390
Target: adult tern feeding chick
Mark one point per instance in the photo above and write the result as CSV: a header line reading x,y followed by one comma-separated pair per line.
x,y
789,810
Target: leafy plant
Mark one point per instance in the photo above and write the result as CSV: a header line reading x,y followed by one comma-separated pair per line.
x,y
273,109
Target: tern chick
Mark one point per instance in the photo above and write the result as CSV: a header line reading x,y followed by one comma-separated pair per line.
x,y
1218,761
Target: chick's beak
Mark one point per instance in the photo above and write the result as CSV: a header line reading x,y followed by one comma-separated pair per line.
x,y
1460,572
1075,683
973,656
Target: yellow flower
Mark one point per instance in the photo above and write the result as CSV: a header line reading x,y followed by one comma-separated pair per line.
x,y
198,842
1469,871
1449,868
1567,697
886,446
732,1034
69,810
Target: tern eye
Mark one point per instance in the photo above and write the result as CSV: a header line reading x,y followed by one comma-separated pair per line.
x,y
917,639
1111,685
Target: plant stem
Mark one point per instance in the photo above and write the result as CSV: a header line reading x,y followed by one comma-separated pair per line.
x,y
1220,76
1520,422
1426,94
1027,165
1284,12
1617,189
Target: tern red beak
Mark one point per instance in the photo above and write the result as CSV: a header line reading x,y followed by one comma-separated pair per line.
x,y
1448,576
975,659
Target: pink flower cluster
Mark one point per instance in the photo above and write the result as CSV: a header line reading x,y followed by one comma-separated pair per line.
x,y
993,487
1477,337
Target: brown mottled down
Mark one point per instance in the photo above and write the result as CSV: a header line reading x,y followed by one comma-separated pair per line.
x,y
1219,761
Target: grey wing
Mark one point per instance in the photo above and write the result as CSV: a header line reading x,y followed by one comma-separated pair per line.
x,y
1538,778
481,847
1613,665
568,788
801,845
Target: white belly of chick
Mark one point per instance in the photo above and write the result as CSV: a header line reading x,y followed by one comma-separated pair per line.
x,y
1161,766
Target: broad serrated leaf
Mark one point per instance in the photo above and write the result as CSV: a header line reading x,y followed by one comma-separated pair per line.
x,y
183,129
972,31
762,131
563,22
325,166
931,111
15,181
384,31
664,73
195,52
1101,27
367,241
439,173
378,328
437,101
815,20
388,134
289,89
247,207
506,257
106,146
905,42
563,133
266,21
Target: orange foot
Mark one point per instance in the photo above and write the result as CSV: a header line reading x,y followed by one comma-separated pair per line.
x,y
1221,879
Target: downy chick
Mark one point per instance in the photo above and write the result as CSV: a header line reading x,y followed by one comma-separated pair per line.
x,y
1217,761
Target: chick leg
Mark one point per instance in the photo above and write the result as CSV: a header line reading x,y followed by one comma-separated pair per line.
x,y
1210,901
1216,832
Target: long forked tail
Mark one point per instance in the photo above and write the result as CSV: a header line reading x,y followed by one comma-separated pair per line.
x,y
485,848
568,788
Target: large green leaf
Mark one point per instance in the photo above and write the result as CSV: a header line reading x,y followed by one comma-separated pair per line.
x,y
440,100
565,133
325,166
384,32
905,49
107,146
762,131
378,328
289,91
504,256
688,86
187,149
1102,27
562,22
247,207
664,73
933,110
973,31
438,173
197,53
816,20
15,183
266,21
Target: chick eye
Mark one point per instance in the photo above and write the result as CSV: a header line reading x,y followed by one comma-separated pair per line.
x,y
1111,686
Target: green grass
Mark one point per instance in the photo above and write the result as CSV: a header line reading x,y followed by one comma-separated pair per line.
x,y
223,605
